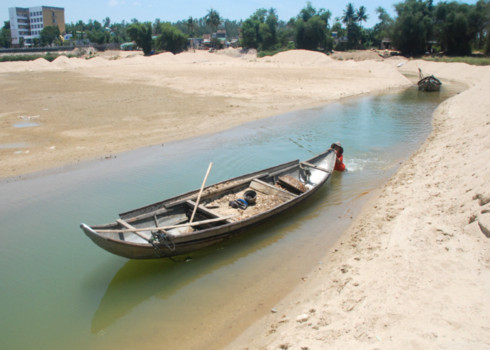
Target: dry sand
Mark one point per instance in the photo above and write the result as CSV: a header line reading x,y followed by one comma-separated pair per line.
x,y
413,271
102,106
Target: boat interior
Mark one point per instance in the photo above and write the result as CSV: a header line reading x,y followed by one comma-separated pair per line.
x,y
215,206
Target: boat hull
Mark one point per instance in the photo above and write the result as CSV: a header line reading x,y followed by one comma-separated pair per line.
x,y
428,84
128,245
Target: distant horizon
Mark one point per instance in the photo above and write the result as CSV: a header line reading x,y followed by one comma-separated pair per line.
x,y
170,11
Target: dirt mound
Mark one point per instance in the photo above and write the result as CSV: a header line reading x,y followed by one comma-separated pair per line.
x,y
40,63
61,61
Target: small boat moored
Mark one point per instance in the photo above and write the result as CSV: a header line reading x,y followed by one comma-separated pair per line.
x,y
428,83
204,217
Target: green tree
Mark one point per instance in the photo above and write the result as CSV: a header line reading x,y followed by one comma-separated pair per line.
x,y
269,30
171,39
119,33
311,29
49,34
458,25
354,36
487,45
413,27
260,31
5,38
350,18
157,27
141,34
307,12
452,29
250,36
213,19
361,15
107,22
98,36
479,22
349,14
191,26
381,30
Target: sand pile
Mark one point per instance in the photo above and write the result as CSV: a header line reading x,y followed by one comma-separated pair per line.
x,y
39,63
61,61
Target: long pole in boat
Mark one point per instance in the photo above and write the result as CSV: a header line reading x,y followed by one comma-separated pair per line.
x,y
200,192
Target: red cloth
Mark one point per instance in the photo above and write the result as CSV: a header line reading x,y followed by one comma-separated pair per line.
x,y
339,164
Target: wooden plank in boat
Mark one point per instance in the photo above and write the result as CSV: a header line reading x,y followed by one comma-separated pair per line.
x,y
204,210
292,184
266,188
125,224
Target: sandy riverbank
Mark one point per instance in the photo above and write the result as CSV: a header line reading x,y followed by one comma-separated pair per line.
x,y
98,107
413,270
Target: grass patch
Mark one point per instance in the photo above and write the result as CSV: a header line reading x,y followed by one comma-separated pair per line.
x,y
48,57
473,60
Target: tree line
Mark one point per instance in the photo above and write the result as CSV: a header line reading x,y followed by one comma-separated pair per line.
x,y
419,27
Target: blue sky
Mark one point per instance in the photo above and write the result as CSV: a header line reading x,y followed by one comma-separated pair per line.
x,y
174,10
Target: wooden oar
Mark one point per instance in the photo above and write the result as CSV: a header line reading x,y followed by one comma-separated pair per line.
x,y
197,223
200,192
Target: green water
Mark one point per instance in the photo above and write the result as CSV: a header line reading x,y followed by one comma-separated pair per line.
x,y
58,290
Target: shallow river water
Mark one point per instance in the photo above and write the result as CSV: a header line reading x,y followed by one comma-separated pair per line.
x,y
58,290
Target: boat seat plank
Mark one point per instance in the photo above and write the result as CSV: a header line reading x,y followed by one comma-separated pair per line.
x,y
266,188
204,210
125,224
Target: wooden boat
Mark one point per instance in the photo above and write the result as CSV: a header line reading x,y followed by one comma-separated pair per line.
x,y
428,83
168,228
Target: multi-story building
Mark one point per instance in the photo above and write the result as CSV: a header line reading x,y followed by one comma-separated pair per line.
x,y
26,23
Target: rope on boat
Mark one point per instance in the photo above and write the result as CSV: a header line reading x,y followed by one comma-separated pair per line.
x,y
163,239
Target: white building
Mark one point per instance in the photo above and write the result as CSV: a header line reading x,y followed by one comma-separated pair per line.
x,y
27,23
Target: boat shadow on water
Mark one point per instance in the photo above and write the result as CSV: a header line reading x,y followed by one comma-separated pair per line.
x,y
140,280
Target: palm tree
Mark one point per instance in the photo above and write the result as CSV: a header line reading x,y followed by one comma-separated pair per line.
x,y
213,19
191,26
361,15
349,14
